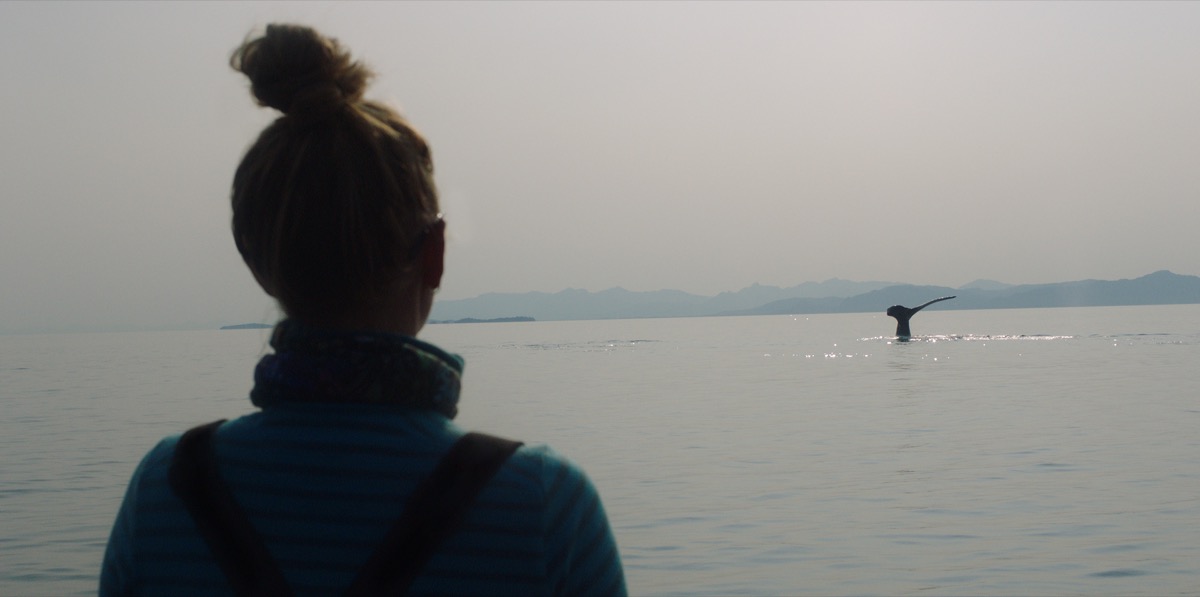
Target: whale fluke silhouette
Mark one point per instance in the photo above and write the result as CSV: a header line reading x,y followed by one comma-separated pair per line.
x,y
903,314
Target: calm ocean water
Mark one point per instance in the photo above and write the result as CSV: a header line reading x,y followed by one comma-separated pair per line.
x,y
1033,451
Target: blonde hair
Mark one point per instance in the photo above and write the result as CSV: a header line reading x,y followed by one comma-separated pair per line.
x,y
332,197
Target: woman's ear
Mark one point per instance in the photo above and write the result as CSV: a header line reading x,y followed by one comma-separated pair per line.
x,y
433,256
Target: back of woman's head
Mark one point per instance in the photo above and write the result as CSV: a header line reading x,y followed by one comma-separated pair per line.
x,y
332,199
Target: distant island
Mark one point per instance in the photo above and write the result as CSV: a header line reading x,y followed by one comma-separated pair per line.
x,y
248,326
831,296
492,320
265,326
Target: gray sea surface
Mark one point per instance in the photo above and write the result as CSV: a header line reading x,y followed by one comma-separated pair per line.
x,y
1001,452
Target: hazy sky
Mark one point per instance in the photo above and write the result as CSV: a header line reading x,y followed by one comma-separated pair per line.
x,y
701,147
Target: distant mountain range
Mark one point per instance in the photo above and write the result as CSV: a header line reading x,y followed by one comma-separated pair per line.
x,y
830,296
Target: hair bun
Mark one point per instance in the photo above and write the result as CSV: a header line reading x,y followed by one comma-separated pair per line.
x,y
294,69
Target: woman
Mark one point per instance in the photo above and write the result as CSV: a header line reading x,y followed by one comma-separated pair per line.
x,y
341,482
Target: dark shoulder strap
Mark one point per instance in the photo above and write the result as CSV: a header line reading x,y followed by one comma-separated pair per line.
x,y
238,549
433,512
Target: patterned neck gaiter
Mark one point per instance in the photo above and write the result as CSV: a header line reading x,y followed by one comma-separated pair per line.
x,y
312,365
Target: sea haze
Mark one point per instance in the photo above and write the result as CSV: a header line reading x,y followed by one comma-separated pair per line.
x,y
1001,452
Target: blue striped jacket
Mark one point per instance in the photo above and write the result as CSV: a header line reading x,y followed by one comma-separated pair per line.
x,y
322,484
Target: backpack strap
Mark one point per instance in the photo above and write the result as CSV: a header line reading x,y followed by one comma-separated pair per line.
x,y
434,511
221,522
